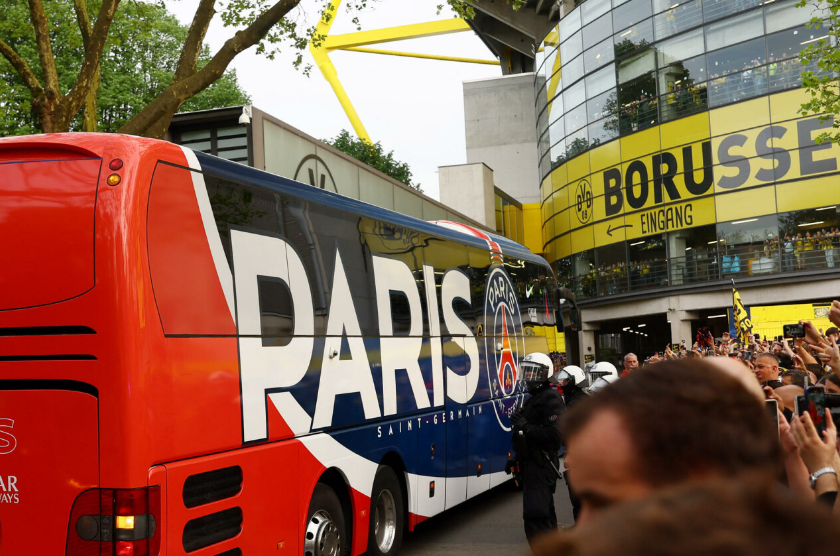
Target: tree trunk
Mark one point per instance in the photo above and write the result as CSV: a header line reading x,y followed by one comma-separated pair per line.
x,y
90,112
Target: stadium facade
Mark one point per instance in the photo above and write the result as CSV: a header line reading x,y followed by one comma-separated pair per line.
x,y
673,158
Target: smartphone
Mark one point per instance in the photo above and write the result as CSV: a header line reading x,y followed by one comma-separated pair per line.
x,y
710,351
773,410
815,402
794,330
748,355
675,347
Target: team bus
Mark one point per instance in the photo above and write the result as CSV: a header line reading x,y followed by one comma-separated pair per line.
x,y
198,357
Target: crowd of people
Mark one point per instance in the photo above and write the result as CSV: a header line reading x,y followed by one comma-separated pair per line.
x,y
680,455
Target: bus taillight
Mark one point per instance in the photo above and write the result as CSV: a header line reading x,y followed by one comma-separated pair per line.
x,y
115,522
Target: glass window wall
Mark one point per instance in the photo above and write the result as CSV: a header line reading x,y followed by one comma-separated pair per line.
x,y
597,31
810,238
741,245
599,82
648,262
612,269
572,71
593,9
681,48
574,95
734,30
575,119
638,64
571,49
630,13
600,54
783,66
637,104
601,106
781,15
734,73
678,19
636,37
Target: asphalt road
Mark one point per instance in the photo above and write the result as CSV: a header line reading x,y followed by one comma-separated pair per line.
x,y
489,524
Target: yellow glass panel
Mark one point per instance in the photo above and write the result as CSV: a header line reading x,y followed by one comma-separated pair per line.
x,y
559,178
743,115
561,202
532,227
545,188
785,106
564,246
561,222
758,201
640,144
582,239
610,231
578,167
605,156
677,216
685,130
811,193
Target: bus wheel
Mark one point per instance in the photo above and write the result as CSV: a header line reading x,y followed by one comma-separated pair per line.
x,y
326,533
387,519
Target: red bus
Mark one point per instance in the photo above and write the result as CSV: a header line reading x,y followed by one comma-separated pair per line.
x,y
197,357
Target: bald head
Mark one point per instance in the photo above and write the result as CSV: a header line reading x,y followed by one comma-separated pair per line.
x,y
740,372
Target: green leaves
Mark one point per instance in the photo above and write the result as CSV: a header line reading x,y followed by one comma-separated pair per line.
x,y
822,86
373,155
139,61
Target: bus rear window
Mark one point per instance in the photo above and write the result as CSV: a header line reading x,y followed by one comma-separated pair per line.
x,y
47,226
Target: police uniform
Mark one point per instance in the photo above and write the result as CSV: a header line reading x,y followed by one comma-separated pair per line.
x,y
539,437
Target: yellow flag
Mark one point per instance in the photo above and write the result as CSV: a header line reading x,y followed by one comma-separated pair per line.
x,y
743,324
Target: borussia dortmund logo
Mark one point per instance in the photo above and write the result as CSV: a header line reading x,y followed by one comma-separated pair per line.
x,y
583,201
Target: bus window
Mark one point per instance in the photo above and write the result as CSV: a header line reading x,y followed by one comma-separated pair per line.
x,y
277,315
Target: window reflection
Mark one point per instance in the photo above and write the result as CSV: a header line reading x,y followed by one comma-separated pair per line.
x,y
597,31
593,9
678,18
572,71
682,88
571,48
733,72
637,36
600,54
637,104
783,66
574,95
715,9
741,245
575,119
599,82
734,30
630,13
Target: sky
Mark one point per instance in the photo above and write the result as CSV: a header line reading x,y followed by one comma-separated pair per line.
x,y
414,107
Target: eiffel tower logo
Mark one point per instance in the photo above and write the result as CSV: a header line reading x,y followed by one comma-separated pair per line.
x,y
507,365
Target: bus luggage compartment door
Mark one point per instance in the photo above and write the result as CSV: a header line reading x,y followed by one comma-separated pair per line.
x,y
49,454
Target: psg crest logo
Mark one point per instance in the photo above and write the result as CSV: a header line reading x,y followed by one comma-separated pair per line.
x,y
503,341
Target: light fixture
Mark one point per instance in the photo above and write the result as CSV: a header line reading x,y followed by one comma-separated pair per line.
x,y
716,316
627,32
642,325
745,221
688,248
626,328
713,242
811,223
637,243
828,208
814,40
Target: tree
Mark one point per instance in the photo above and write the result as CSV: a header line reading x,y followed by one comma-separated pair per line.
x,y
822,62
374,156
138,62
56,99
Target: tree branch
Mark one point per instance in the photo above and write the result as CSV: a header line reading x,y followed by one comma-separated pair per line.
x,y
171,99
84,21
195,39
22,68
93,55
42,38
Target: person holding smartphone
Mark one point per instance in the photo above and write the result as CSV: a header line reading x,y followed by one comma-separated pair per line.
x,y
819,455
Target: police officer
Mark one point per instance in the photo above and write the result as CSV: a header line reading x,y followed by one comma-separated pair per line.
x,y
536,440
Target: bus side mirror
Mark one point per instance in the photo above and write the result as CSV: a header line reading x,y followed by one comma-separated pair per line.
x,y
565,299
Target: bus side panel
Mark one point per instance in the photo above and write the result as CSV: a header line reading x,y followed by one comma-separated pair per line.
x,y
268,500
356,455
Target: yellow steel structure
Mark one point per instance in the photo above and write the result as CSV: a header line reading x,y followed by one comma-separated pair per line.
x,y
320,50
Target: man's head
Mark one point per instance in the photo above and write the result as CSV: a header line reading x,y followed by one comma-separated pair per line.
x,y
719,518
536,369
766,367
669,423
832,334
631,362
795,377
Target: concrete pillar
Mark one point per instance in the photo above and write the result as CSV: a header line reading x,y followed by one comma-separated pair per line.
x,y
468,188
681,326
586,339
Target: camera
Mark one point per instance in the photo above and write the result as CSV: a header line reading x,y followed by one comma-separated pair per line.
x,y
794,330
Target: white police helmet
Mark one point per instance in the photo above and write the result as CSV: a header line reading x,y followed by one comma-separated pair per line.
x,y
537,367
602,382
571,374
604,369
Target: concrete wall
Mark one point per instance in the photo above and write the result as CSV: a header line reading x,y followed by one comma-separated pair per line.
x,y
469,188
501,132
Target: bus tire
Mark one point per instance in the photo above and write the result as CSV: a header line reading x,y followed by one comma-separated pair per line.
x,y
387,516
326,531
